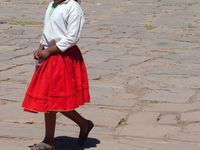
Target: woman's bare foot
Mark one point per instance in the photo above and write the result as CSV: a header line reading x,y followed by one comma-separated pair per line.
x,y
42,146
84,132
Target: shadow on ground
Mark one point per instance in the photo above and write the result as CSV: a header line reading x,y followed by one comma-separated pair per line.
x,y
70,143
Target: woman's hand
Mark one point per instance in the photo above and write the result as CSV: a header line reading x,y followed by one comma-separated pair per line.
x,y
36,55
42,54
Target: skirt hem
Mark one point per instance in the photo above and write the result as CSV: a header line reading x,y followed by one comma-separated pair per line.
x,y
56,110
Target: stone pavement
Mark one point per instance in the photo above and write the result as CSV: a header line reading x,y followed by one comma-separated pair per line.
x,y
144,69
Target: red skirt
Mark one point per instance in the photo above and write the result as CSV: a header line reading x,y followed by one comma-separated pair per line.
x,y
59,84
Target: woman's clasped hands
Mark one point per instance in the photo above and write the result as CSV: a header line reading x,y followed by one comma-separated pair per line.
x,y
41,54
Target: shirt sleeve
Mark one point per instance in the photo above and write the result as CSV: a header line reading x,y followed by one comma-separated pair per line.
x,y
74,27
45,18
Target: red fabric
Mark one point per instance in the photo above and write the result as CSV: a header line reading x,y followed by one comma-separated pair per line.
x,y
59,84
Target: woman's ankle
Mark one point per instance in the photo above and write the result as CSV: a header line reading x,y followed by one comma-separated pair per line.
x,y
84,125
48,141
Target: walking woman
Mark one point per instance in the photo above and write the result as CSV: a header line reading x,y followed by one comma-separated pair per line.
x,y
60,82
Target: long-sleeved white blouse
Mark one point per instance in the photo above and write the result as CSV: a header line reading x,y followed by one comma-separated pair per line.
x,y
62,25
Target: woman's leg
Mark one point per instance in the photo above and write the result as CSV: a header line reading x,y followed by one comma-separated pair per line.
x,y
84,124
76,117
50,123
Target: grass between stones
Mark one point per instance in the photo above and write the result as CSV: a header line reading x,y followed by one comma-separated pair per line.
x,y
25,23
123,121
149,27
44,3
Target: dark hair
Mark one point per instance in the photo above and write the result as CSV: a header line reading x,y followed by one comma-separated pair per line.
x,y
78,1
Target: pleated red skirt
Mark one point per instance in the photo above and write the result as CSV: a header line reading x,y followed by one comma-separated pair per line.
x,y
59,84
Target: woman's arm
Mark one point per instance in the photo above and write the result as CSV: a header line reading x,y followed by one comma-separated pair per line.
x,y
75,23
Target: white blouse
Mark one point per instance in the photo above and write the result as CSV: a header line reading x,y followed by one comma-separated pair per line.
x,y
62,25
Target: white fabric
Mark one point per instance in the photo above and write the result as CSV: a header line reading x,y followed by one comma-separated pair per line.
x,y
64,26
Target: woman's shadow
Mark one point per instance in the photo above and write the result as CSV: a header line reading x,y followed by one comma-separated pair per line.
x,y
70,143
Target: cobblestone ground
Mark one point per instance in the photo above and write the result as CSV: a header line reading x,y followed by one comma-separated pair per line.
x,y
144,69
